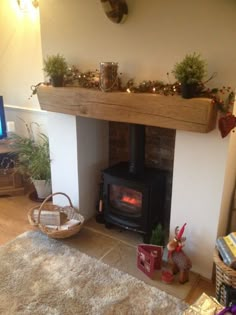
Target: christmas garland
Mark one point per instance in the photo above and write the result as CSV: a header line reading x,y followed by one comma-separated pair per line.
x,y
222,98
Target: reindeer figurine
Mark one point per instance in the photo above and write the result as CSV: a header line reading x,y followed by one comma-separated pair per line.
x,y
181,262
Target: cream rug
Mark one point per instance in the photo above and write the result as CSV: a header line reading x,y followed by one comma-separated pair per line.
x,y
39,275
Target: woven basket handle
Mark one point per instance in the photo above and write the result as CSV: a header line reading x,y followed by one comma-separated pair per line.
x,y
50,196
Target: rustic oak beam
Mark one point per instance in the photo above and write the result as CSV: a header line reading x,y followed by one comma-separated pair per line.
x,y
174,112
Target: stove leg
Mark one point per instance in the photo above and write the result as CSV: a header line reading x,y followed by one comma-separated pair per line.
x,y
108,225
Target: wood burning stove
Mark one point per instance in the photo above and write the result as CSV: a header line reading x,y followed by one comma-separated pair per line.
x,y
133,194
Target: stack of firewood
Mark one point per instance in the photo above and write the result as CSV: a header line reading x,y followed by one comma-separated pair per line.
x,y
54,219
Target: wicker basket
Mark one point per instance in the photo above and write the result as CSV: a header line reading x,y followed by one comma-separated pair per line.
x,y
68,210
225,276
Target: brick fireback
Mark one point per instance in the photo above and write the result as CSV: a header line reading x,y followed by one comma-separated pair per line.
x,y
159,148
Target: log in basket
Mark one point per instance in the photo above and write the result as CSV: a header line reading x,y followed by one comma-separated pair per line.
x,y
70,212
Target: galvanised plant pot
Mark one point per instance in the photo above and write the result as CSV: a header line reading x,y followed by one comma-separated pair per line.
x,y
188,90
57,81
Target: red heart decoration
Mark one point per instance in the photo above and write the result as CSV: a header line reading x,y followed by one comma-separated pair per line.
x,y
226,124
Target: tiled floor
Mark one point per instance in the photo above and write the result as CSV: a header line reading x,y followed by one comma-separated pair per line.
x,y
117,248
114,247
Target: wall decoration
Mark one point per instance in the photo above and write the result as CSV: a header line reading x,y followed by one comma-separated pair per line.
x,y
116,10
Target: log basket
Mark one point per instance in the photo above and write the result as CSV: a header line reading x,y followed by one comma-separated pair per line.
x,y
225,280
69,210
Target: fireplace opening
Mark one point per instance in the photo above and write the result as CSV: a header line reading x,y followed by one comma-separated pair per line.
x,y
134,202
133,194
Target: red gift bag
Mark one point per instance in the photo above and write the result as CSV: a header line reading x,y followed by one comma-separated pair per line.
x,y
149,258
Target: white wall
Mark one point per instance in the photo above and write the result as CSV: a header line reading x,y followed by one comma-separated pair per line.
x,y
198,179
79,150
20,65
20,54
92,143
62,131
227,204
23,115
155,35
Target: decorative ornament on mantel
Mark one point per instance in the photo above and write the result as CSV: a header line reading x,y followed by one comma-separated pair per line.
x,y
190,73
55,67
154,87
226,124
108,76
223,99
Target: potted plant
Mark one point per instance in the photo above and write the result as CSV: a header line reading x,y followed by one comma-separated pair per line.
x,y
158,235
33,160
190,73
55,66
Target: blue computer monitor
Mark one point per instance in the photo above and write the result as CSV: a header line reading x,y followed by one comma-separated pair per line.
x,y
3,127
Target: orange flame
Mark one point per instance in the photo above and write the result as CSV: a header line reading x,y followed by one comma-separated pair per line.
x,y
130,200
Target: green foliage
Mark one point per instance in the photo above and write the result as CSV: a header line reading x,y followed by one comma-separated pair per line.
x,y
223,98
55,65
158,236
191,70
33,155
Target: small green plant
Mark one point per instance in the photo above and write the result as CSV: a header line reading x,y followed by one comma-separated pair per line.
x,y
33,154
191,70
158,236
223,98
55,65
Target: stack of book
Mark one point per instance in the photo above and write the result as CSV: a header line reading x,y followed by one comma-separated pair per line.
x,y
226,246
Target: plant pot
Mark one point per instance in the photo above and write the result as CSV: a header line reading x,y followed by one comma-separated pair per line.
x,y
188,90
57,81
42,187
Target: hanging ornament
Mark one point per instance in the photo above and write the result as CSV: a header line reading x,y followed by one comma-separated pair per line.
x,y
226,124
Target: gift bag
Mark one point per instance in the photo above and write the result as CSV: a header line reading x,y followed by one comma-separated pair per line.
x,y
205,305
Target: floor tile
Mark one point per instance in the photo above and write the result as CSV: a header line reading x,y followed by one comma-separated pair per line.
x,y
126,236
91,243
123,257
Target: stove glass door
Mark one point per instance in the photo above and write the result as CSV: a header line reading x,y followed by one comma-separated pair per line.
x,y
125,201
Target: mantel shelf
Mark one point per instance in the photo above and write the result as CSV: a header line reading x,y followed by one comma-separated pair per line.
x,y
174,112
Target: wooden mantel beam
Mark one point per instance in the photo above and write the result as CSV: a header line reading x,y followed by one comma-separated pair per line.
x,y
174,112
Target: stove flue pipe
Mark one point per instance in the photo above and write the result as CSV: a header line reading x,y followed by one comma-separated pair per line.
x,y
137,149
